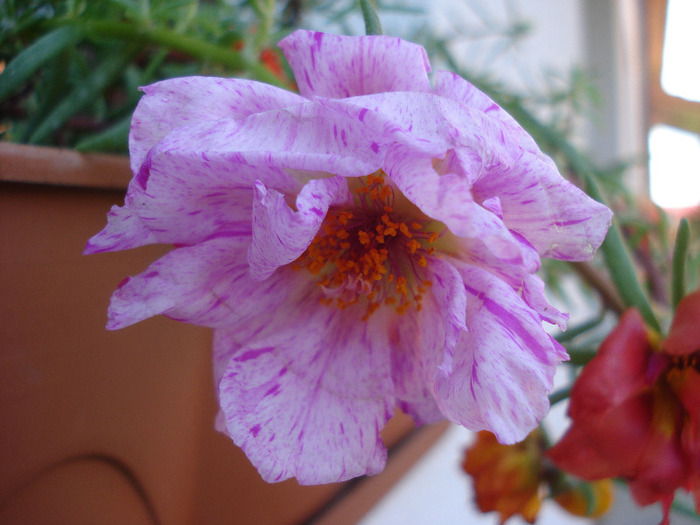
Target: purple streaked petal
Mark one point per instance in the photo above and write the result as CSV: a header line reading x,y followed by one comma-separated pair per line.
x,y
556,217
307,137
551,213
203,284
533,294
503,365
180,214
421,341
340,66
282,234
310,403
448,199
462,140
176,102
454,87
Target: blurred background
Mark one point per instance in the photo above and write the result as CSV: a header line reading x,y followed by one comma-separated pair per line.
x,y
100,427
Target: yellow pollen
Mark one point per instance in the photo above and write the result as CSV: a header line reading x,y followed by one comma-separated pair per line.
x,y
370,253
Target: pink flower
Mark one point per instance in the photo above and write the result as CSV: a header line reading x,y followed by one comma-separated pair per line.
x,y
371,242
636,410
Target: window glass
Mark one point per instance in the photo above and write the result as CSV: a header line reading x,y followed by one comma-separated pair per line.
x,y
680,73
674,167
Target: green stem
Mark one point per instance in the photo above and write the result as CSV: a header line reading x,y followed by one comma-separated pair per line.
x,y
372,24
580,356
574,332
170,39
620,265
265,9
559,395
680,253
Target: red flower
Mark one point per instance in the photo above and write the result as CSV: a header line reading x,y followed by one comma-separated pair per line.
x,y
636,410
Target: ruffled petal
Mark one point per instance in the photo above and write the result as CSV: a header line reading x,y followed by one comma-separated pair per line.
x,y
204,284
307,136
555,216
533,294
341,66
176,211
169,199
310,403
176,102
458,136
454,87
422,340
282,234
503,366
448,199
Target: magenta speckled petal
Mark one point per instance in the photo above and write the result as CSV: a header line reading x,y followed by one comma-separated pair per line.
x,y
533,295
282,234
422,341
448,199
173,286
455,88
340,66
503,365
310,403
555,216
307,136
197,99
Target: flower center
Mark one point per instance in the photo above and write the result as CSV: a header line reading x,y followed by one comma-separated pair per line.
x,y
370,252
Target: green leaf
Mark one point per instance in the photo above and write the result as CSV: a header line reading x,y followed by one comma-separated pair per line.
x,y
81,96
34,56
620,265
114,138
372,24
195,47
680,254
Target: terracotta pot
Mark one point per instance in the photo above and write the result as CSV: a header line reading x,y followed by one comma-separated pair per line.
x,y
117,427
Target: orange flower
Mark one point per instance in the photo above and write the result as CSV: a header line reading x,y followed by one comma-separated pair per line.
x,y
515,479
507,478
636,410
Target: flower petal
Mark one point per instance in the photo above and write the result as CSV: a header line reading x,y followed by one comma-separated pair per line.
x,y
183,101
307,136
176,210
341,66
503,365
454,87
617,373
310,403
224,159
282,234
555,216
204,284
422,340
606,445
448,199
533,294
434,125
684,335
